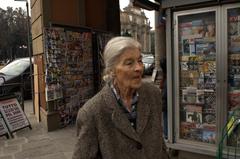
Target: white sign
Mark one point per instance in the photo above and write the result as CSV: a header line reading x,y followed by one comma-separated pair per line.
x,y
14,117
154,74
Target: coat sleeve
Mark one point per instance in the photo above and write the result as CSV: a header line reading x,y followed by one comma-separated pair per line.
x,y
164,152
87,143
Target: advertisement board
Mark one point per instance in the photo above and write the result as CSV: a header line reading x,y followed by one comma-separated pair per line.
x,y
3,127
13,115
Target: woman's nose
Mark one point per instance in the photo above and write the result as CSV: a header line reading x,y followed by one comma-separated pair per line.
x,y
139,66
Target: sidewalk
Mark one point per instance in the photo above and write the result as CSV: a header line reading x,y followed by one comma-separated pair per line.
x,y
37,143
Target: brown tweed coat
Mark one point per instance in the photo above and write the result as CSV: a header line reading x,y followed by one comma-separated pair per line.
x,y
105,132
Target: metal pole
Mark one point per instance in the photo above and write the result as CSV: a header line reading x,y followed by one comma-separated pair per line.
x,y
157,41
160,48
30,56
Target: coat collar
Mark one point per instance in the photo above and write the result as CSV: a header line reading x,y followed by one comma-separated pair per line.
x,y
120,119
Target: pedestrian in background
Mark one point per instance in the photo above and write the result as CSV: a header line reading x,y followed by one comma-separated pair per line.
x,y
123,120
163,86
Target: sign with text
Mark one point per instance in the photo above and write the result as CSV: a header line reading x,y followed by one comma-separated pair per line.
x,y
13,114
3,127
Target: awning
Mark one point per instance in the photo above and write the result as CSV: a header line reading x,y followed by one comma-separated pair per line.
x,y
147,4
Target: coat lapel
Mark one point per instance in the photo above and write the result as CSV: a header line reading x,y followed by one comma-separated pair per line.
x,y
121,122
143,111
118,117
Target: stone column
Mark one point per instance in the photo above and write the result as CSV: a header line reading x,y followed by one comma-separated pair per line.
x,y
145,39
160,48
148,42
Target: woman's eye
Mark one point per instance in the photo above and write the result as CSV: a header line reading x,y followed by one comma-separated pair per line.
x,y
130,62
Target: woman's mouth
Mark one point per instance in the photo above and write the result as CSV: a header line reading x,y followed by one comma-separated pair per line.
x,y
137,77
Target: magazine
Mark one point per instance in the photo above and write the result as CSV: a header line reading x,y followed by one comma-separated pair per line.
x,y
193,113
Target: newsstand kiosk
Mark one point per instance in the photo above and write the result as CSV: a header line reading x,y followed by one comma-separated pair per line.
x,y
68,39
203,72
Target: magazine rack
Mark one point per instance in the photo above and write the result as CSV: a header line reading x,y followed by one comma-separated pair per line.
x,y
231,127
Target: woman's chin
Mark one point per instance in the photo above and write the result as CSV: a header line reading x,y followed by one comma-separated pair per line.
x,y
137,84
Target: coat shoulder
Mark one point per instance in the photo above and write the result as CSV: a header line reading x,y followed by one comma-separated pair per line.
x,y
153,94
148,87
94,104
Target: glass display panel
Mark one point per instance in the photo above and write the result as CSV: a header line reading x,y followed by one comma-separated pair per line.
x,y
197,76
233,27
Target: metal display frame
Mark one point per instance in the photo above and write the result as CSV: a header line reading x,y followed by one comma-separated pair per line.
x,y
176,68
221,79
224,44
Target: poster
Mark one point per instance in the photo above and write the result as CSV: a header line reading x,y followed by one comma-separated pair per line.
x,y
13,115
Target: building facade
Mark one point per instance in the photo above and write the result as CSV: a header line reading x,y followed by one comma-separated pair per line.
x,y
134,23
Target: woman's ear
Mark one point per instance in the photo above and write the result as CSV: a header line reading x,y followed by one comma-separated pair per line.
x,y
113,74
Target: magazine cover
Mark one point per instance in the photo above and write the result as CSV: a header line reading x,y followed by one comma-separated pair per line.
x,y
184,66
185,129
200,96
234,25
186,47
209,66
193,114
210,97
209,116
234,44
193,63
233,99
185,25
209,136
205,47
201,84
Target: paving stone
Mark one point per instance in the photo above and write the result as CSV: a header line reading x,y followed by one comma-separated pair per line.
x,y
2,142
11,149
6,157
65,144
36,138
65,132
52,156
68,155
16,141
37,143
26,132
37,152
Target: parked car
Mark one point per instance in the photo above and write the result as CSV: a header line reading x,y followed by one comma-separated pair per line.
x,y
16,76
148,62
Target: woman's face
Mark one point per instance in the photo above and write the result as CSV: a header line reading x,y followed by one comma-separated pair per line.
x,y
129,69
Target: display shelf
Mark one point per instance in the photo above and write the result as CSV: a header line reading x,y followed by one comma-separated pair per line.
x,y
197,77
69,71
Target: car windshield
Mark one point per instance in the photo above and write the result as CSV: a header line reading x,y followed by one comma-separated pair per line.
x,y
16,67
148,60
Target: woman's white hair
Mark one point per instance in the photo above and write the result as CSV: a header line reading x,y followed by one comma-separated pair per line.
x,y
113,50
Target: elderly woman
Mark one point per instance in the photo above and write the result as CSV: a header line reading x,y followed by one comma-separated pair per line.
x,y
122,121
